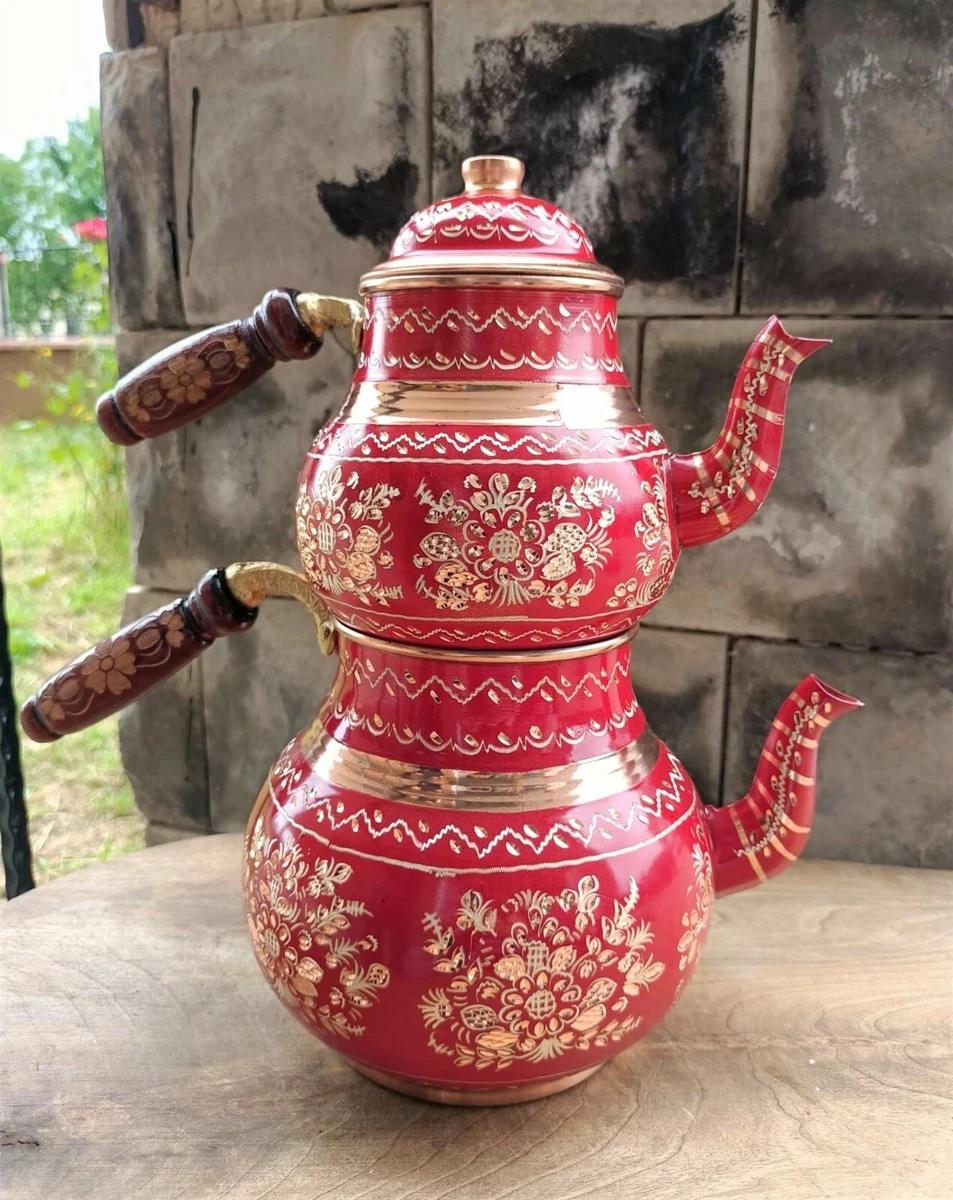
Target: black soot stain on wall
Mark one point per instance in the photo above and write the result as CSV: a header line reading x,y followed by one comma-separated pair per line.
x,y
378,203
868,274
629,127
376,206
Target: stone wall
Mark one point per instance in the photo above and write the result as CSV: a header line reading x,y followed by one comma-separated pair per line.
x,y
730,158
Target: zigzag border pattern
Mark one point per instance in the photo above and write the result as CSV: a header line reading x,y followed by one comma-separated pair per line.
x,y
607,825
505,362
428,322
376,679
351,436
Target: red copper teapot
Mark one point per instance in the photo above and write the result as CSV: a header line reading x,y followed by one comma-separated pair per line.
x,y
478,874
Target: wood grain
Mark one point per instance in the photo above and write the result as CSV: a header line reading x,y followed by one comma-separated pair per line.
x,y
121,669
189,379
143,1057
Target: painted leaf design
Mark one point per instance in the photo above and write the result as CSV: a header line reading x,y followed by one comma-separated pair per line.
x,y
497,1040
563,958
589,1018
599,990
641,974
479,1017
378,976
511,967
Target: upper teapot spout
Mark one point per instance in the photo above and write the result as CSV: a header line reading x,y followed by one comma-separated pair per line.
x,y
720,488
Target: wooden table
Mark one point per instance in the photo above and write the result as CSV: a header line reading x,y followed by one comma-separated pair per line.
x,y
142,1055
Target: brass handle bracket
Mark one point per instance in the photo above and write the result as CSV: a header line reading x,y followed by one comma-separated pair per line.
x,y
251,582
320,313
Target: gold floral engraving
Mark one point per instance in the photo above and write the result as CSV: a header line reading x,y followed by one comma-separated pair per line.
x,y
336,556
697,914
503,548
112,664
301,932
787,755
739,466
186,379
536,977
653,574
510,221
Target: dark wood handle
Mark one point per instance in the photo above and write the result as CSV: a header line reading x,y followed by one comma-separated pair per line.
x,y
124,667
189,379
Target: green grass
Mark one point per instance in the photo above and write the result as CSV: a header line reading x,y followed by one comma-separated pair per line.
x,y
64,531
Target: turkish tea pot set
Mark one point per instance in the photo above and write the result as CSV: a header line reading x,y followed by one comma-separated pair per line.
x,y
478,875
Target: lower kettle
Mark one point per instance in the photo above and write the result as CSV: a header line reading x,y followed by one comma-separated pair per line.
x,y
478,875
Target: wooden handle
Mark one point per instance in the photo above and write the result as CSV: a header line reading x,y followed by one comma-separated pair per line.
x,y
189,379
124,667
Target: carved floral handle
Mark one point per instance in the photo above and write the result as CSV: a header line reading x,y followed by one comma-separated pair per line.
x,y
189,379
120,669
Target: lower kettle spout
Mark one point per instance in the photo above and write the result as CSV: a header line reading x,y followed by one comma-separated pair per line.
x,y
761,834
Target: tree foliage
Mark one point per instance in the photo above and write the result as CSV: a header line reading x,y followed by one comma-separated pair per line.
x,y
53,275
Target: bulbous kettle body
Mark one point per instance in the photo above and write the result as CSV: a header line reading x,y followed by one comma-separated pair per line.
x,y
478,874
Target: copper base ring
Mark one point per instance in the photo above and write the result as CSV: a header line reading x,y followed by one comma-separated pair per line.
x,y
518,1093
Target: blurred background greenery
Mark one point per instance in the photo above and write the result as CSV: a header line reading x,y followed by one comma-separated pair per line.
x,y
63,516
52,233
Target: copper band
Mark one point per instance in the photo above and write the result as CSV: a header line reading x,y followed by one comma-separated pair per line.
x,y
570,405
490,270
553,654
490,791
468,1097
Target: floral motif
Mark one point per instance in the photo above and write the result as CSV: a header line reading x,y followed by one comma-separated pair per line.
x,y
111,665
144,400
502,550
530,983
66,693
172,625
696,917
228,356
788,753
653,570
337,557
727,483
301,932
186,378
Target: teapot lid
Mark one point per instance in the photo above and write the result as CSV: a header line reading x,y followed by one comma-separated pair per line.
x,y
492,234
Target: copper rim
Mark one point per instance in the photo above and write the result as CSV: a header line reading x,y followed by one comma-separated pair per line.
x,y
553,654
490,270
564,786
517,1093
566,405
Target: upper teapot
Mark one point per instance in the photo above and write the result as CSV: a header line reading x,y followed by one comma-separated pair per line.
x,y
489,481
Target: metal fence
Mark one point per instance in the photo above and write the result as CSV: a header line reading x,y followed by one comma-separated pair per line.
x,y
54,291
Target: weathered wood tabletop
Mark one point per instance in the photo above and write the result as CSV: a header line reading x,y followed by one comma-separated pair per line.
x,y
142,1055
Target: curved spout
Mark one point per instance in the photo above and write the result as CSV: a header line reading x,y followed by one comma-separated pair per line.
x,y
718,489
761,834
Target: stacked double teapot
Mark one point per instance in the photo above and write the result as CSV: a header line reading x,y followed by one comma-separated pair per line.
x,y
478,874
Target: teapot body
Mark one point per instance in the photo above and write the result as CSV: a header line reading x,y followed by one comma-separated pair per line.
x,y
477,879
478,875
490,481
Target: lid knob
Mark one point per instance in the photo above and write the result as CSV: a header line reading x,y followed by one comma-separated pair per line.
x,y
492,173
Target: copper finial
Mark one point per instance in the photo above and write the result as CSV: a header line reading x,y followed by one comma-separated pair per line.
x,y
492,173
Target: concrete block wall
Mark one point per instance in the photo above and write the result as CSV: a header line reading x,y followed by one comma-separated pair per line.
x,y
730,158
